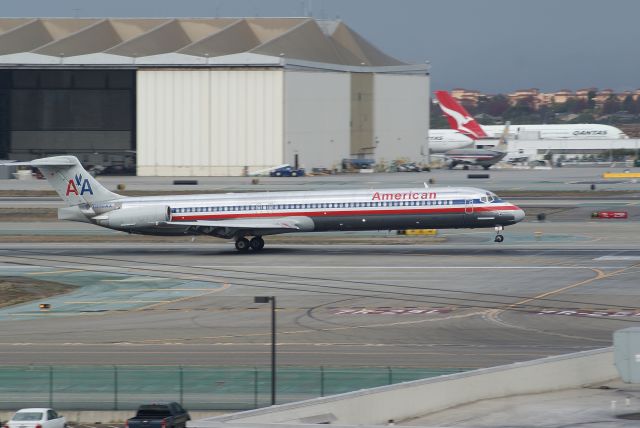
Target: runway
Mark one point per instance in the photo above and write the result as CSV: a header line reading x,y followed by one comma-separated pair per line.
x,y
461,303
505,179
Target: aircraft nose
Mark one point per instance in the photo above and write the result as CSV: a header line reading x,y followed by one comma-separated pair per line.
x,y
518,214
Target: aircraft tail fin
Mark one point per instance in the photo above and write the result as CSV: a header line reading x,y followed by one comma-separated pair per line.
x,y
458,117
502,143
72,182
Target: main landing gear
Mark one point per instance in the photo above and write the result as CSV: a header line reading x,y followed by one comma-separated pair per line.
x,y
256,244
499,237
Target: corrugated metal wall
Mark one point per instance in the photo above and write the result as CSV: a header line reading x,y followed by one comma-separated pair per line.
x,y
208,122
362,117
316,118
401,116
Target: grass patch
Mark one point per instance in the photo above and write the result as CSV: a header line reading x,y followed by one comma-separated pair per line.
x,y
16,290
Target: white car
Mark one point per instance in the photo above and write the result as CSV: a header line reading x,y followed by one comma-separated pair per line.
x,y
36,418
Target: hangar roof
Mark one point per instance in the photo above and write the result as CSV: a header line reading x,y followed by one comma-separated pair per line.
x,y
187,41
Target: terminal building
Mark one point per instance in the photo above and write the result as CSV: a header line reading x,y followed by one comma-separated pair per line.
x,y
198,97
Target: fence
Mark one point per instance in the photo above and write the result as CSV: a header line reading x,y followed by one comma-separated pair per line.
x,y
195,387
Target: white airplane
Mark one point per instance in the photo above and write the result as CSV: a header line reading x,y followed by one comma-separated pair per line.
x,y
443,140
254,215
581,131
459,136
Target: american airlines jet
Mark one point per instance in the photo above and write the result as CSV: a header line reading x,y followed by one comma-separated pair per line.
x,y
247,217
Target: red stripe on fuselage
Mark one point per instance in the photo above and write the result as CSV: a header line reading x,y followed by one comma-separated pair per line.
x,y
326,213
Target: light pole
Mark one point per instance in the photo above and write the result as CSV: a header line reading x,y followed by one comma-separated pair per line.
x,y
272,299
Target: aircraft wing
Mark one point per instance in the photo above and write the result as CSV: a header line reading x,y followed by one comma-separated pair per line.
x,y
258,226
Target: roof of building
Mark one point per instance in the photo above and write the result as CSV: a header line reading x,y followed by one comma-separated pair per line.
x,y
189,41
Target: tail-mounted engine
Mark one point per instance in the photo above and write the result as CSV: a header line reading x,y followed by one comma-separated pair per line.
x,y
134,217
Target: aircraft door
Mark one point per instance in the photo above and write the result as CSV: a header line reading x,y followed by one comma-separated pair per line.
x,y
468,206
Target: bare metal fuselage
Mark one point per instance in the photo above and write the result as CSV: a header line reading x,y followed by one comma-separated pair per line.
x,y
319,211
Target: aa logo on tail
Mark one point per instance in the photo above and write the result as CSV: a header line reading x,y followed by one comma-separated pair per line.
x,y
83,185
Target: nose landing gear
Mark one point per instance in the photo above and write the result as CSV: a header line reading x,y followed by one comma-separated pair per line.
x,y
499,237
243,244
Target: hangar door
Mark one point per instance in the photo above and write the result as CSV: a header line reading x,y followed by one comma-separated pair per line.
x,y
88,113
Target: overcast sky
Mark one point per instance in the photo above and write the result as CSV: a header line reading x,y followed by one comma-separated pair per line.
x,y
490,45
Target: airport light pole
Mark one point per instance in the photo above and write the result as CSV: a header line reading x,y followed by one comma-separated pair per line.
x,y
272,299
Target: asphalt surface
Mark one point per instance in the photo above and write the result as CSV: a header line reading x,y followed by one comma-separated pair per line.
x,y
465,302
601,406
568,178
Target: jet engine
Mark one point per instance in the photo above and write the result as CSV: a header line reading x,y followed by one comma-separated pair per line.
x,y
134,217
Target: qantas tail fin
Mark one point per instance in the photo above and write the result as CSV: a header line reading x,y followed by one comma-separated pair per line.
x,y
72,182
458,117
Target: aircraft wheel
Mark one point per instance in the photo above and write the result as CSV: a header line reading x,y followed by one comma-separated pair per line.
x,y
257,243
242,244
499,238
486,167
465,167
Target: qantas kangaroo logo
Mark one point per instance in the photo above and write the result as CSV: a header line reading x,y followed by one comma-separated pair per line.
x,y
78,183
458,117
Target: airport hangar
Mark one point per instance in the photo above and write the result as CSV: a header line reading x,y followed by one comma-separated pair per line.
x,y
210,96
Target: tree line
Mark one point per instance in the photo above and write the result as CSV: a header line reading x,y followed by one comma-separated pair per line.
x,y
497,109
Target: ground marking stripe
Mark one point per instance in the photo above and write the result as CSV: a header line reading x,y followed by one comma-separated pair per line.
x,y
222,267
55,272
182,299
115,302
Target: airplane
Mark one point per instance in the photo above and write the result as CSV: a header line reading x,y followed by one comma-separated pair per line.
x,y
254,215
450,138
462,122
562,131
443,140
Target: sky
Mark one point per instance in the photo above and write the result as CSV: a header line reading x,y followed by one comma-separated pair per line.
x,y
494,46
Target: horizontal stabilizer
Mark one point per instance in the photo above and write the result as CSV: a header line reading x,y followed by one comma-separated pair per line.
x,y
41,162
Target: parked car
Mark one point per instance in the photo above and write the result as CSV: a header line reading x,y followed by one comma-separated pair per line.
x,y
159,415
287,171
357,164
36,418
112,170
409,167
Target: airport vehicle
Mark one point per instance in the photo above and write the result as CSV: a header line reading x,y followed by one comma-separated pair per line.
x,y
36,418
287,171
357,164
159,415
409,167
238,216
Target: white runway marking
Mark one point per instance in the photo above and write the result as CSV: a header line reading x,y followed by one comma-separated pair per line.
x,y
360,267
612,258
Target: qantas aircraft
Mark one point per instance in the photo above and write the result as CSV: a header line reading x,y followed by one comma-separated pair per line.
x,y
254,215
460,120
443,140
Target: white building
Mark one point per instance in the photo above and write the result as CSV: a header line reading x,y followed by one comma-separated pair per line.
x,y
196,97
